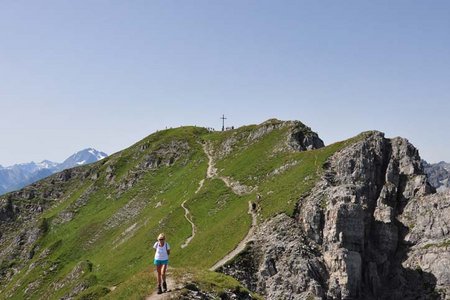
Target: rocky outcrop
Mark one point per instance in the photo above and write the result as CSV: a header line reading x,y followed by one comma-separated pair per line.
x,y
7,210
166,155
296,137
351,238
302,138
299,137
365,188
428,220
280,262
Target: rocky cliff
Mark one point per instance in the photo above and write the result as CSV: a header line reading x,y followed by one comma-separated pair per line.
x,y
370,229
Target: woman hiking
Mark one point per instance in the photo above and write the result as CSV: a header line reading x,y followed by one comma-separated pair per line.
x,y
161,261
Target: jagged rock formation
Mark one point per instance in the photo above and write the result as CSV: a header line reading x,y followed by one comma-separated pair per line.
x,y
428,220
357,235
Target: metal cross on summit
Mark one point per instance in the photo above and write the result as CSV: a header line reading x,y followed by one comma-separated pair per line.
x,y
223,122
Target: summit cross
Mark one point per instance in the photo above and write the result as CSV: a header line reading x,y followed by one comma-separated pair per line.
x,y
223,122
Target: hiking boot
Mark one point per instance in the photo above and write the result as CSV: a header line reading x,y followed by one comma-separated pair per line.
x,y
164,287
159,289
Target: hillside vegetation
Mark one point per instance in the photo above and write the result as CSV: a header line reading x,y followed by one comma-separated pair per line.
x,y
88,232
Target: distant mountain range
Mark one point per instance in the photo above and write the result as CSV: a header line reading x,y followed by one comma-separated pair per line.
x,y
438,174
20,175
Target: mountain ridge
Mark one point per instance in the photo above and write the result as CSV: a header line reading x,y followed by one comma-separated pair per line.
x,y
85,232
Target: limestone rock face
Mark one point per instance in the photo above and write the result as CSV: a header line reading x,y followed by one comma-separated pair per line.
x,y
365,188
428,220
280,263
371,228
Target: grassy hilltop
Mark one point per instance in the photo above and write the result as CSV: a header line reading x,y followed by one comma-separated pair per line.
x,y
98,223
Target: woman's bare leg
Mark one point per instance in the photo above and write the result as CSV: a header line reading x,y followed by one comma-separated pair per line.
x,y
164,270
158,275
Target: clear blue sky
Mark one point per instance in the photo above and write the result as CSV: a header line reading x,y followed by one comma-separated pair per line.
x,y
104,74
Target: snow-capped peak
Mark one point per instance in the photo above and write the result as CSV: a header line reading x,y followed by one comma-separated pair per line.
x,y
86,156
99,155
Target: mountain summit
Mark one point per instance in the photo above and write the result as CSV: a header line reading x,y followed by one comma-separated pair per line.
x,y
82,157
259,212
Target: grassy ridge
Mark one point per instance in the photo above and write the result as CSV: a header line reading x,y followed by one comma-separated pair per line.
x,y
108,243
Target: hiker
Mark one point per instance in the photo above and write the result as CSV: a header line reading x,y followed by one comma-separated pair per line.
x,y
161,261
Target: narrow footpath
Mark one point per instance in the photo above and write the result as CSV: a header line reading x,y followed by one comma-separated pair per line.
x,y
242,244
238,189
172,287
186,215
210,173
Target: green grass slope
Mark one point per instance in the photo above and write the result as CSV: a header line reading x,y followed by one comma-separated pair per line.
x,y
96,241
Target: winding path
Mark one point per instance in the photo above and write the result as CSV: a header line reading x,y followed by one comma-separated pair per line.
x,y
200,185
238,189
186,215
211,171
242,244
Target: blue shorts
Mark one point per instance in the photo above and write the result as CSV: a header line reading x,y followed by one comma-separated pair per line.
x,y
158,262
